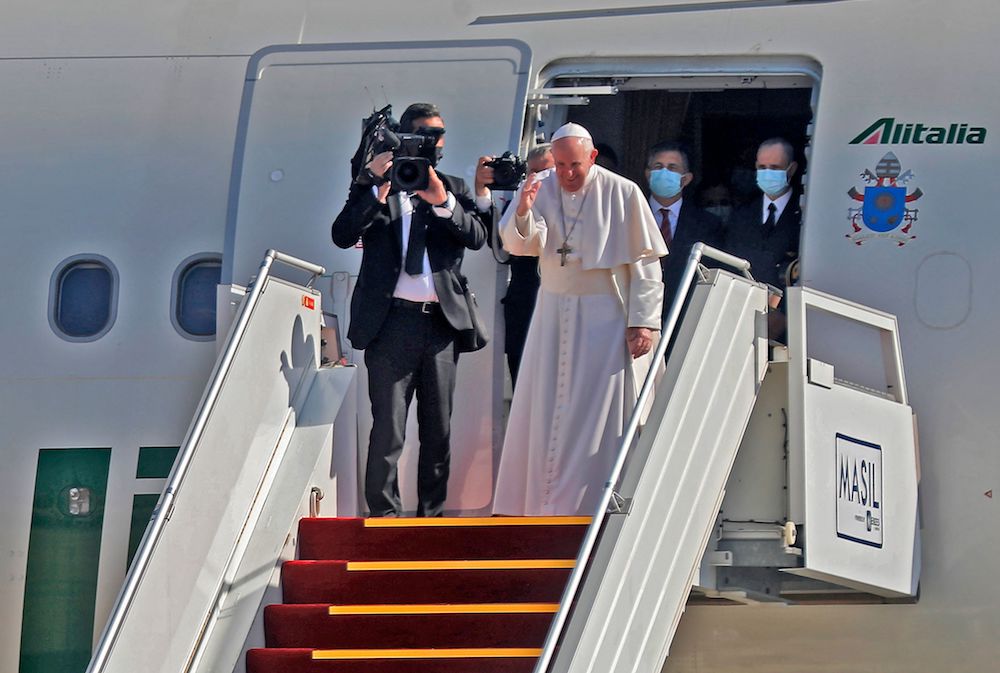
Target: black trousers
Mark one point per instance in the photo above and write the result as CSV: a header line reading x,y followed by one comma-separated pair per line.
x,y
518,306
517,317
414,353
667,303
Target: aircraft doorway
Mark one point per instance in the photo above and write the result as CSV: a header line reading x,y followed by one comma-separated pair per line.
x,y
720,118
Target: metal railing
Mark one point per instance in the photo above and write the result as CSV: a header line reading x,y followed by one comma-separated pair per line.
x,y
165,507
698,251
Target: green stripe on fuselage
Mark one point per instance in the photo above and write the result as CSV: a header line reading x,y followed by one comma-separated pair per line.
x,y
64,550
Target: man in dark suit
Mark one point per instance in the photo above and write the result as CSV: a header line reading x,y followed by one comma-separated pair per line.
x,y
409,313
522,290
765,232
681,222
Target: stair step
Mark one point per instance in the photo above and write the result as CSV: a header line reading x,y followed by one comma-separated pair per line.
x,y
300,660
289,626
477,653
331,582
477,564
441,538
444,609
442,595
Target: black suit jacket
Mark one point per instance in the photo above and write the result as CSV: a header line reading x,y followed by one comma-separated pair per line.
x,y
522,290
769,253
694,225
381,235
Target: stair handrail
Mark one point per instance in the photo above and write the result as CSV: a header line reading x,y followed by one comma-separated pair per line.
x,y
164,508
698,251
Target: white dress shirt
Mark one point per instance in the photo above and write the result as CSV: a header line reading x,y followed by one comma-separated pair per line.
x,y
675,212
779,206
484,203
417,288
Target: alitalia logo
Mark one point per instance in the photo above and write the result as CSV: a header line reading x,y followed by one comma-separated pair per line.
x,y
887,131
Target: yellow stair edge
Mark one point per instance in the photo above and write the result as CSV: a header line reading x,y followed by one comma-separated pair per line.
x,y
431,522
489,564
456,653
446,609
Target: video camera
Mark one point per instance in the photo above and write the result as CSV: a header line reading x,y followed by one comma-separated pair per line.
x,y
413,154
508,171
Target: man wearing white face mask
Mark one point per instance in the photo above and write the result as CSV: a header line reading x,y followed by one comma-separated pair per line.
x,y
681,222
766,231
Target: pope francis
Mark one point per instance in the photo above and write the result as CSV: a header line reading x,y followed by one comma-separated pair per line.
x,y
597,316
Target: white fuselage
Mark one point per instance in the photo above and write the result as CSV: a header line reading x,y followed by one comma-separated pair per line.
x,y
150,133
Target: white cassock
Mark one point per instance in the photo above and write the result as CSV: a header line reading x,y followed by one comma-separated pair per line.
x,y
577,383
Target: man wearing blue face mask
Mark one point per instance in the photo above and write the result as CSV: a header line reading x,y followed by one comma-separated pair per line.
x,y
681,222
766,231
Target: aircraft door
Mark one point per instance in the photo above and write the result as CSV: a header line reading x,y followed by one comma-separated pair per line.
x,y
852,454
301,123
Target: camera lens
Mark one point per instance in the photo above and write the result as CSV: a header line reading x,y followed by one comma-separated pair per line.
x,y
410,174
508,171
407,172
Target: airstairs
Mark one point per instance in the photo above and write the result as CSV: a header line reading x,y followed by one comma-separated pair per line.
x,y
239,484
680,512
419,595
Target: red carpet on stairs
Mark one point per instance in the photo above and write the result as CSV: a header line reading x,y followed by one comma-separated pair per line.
x,y
463,595
330,582
301,661
351,539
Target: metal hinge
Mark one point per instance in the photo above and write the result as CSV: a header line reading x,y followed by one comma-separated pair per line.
x,y
315,496
619,504
568,95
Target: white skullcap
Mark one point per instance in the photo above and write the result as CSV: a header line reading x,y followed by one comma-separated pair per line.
x,y
571,130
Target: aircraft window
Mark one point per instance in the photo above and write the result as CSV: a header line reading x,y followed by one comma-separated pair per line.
x,y
83,298
194,296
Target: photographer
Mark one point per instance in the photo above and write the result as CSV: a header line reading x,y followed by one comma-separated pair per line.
x,y
519,302
409,311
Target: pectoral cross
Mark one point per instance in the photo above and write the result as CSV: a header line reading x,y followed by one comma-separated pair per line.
x,y
563,252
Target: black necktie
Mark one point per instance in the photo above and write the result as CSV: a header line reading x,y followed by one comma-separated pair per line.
x,y
417,242
768,225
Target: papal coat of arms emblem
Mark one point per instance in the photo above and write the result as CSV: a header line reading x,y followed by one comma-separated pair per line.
x,y
884,211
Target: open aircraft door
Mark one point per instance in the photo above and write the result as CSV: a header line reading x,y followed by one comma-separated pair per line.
x,y
852,455
300,124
